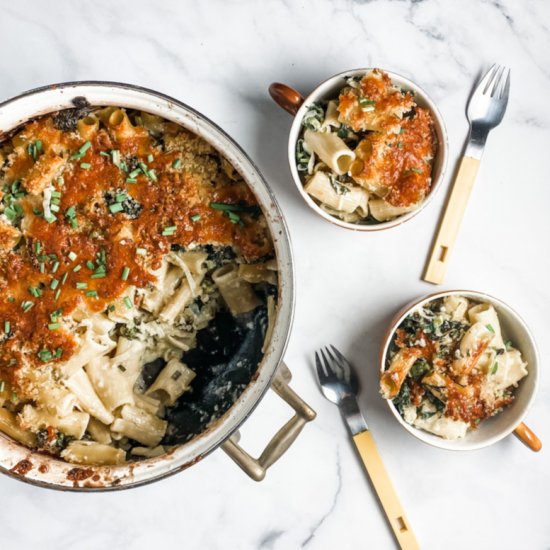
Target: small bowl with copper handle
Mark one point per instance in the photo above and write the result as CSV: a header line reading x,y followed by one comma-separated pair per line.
x,y
295,104
510,419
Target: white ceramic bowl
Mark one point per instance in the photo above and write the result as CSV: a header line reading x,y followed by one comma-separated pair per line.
x,y
492,429
293,102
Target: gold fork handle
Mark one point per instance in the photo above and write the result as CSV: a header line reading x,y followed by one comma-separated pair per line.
x,y
454,212
386,493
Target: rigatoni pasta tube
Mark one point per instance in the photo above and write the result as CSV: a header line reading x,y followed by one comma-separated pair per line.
x,y
331,150
382,210
8,425
92,453
237,293
88,126
349,200
172,382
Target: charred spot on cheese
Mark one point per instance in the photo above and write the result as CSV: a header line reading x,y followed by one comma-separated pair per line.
x,y
130,206
67,119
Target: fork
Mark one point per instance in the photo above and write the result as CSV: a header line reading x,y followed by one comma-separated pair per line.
x,y
485,110
339,385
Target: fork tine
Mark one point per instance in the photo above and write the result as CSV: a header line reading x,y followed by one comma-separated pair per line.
x,y
333,359
496,83
487,79
347,366
505,90
339,360
321,374
327,365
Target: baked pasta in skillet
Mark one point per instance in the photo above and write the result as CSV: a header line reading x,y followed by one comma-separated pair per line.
x,y
138,283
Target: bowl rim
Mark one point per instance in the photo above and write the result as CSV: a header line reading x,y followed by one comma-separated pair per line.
x,y
442,150
432,439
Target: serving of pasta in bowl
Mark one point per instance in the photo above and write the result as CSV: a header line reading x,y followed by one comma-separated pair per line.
x,y
459,370
367,148
146,288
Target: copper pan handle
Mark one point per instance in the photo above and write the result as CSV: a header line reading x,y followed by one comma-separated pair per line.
x,y
528,437
286,97
256,468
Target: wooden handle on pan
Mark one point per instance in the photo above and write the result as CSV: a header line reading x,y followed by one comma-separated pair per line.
x,y
386,493
286,97
528,437
450,224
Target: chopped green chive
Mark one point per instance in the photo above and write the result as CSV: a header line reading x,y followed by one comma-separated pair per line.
x,y
98,275
508,344
50,218
153,175
72,256
369,102
54,284
115,155
91,293
116,207
11,299
131,180
195,218
85,147
55,267
104,154
64,279
490,328
128,302
54,208
234,218
56,194
81,151
26,305
54,326
7,327
37,247
125,273
77,268
415,170
2,386
57,293
494,368
121,197
35,291
85,165
90,264
150,158
81,286
45,355
176,164
170,230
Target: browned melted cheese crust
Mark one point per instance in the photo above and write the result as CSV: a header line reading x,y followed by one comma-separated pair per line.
x,y
399,162
189,175
394,157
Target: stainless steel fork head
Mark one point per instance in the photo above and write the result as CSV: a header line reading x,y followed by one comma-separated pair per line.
x,y
486,107
339,385
336,375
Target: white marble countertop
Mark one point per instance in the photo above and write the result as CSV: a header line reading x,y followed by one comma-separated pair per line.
x,y
219,57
